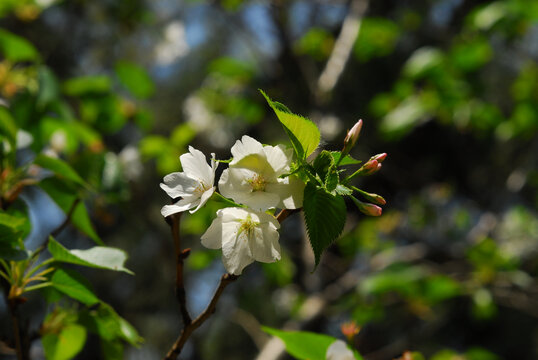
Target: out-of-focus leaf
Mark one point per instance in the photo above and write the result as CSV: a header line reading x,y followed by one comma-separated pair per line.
x,y
401,279
377,38
48,87
60,168
421,61
64,197
325,216
303,133
477,353
65,345
98,257
8,128
153,146
280,273
16,48
407,115
59,134
471,55
232,68
303,345
86,85
317,43
489,15
182,135
11,232
439,288
135,79
74,285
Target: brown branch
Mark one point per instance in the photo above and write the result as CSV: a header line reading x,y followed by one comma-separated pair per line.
x,y
181,255
285,213
189,328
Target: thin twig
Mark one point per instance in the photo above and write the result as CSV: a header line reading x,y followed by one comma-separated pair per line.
x,y
16,328
180,257
62,226
196,323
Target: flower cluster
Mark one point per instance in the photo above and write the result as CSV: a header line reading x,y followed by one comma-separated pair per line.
x,y
256,179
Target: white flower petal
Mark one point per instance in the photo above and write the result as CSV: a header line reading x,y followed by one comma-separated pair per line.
x,y
244,147
279,158
182,205
195,164
179,184
339,351
203,199
261,200
236,254
233,183
290,192
264,244
212,238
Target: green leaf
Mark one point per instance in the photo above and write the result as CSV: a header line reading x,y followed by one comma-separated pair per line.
x,y
11,232
303,345
303,133
73,285
135,79
343,190
59,167
48,87
16,48
377,38
64,197
85,85
98,257
347,160
325,216
65,345
8,128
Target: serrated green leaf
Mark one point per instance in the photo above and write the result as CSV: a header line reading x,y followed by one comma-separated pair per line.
x,y
303,345
16,48
63,196
98,257
325,216
303,133
347,160
322,163
73,285
343,190
65,345
135,79
59,167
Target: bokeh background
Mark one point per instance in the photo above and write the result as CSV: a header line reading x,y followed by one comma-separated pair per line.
x,y
448,88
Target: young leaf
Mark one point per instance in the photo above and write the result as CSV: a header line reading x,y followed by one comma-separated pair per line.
x,y
135,79
64,198
74,285
303,345
11,232
303,133
325,216
347,160
323,162
98,257
66,344
16,48
59,167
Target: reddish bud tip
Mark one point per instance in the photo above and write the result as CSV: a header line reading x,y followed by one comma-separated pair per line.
x,y
350,329
379,157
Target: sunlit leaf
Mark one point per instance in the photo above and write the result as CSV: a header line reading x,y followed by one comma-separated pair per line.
x,y
377,38
65,345
98,257
85,85
303,133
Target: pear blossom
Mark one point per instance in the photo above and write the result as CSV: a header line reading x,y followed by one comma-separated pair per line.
x,y
253,177
244,235
194,185
339,351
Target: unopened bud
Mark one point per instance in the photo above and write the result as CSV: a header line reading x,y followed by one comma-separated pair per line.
x,y
352,137
367,208
369,168
379,157
373,198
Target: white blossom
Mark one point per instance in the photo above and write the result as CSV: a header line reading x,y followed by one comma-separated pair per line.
x,y
253,177
339,351
244,235
194,185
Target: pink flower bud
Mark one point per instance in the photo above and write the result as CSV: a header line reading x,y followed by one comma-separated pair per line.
x,y
373,198
379,157
352,137
369,168
367,208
